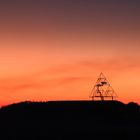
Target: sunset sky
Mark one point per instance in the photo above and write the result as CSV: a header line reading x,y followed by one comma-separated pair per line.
x,y
55,49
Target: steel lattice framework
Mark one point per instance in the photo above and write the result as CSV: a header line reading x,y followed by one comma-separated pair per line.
x,y
102,89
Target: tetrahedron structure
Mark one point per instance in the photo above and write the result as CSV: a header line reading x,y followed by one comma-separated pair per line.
x,y
102,90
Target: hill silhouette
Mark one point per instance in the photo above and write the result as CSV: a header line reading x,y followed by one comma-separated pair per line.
x,y
70,120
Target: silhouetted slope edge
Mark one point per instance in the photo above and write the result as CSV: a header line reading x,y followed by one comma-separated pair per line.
x,y
71,105
70,120
64,106
74,108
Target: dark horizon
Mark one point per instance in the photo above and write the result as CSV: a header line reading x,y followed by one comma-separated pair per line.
x,y
70,120
69,101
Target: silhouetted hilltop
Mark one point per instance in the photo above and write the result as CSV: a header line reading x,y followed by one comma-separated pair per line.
x,y
66,105
70,120
71,106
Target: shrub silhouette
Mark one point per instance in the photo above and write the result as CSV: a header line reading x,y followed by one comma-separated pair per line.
x,y
133,105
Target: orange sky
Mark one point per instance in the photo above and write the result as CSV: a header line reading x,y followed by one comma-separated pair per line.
x,y
56,52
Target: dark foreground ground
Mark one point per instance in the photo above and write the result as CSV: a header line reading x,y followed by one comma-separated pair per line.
x,y
70,120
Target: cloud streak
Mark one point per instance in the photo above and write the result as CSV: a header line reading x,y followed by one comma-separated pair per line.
x,y
62,75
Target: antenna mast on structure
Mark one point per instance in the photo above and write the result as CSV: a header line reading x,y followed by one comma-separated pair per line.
x,y
102,89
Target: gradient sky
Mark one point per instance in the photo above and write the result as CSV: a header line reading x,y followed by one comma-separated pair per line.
x,y
55,49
